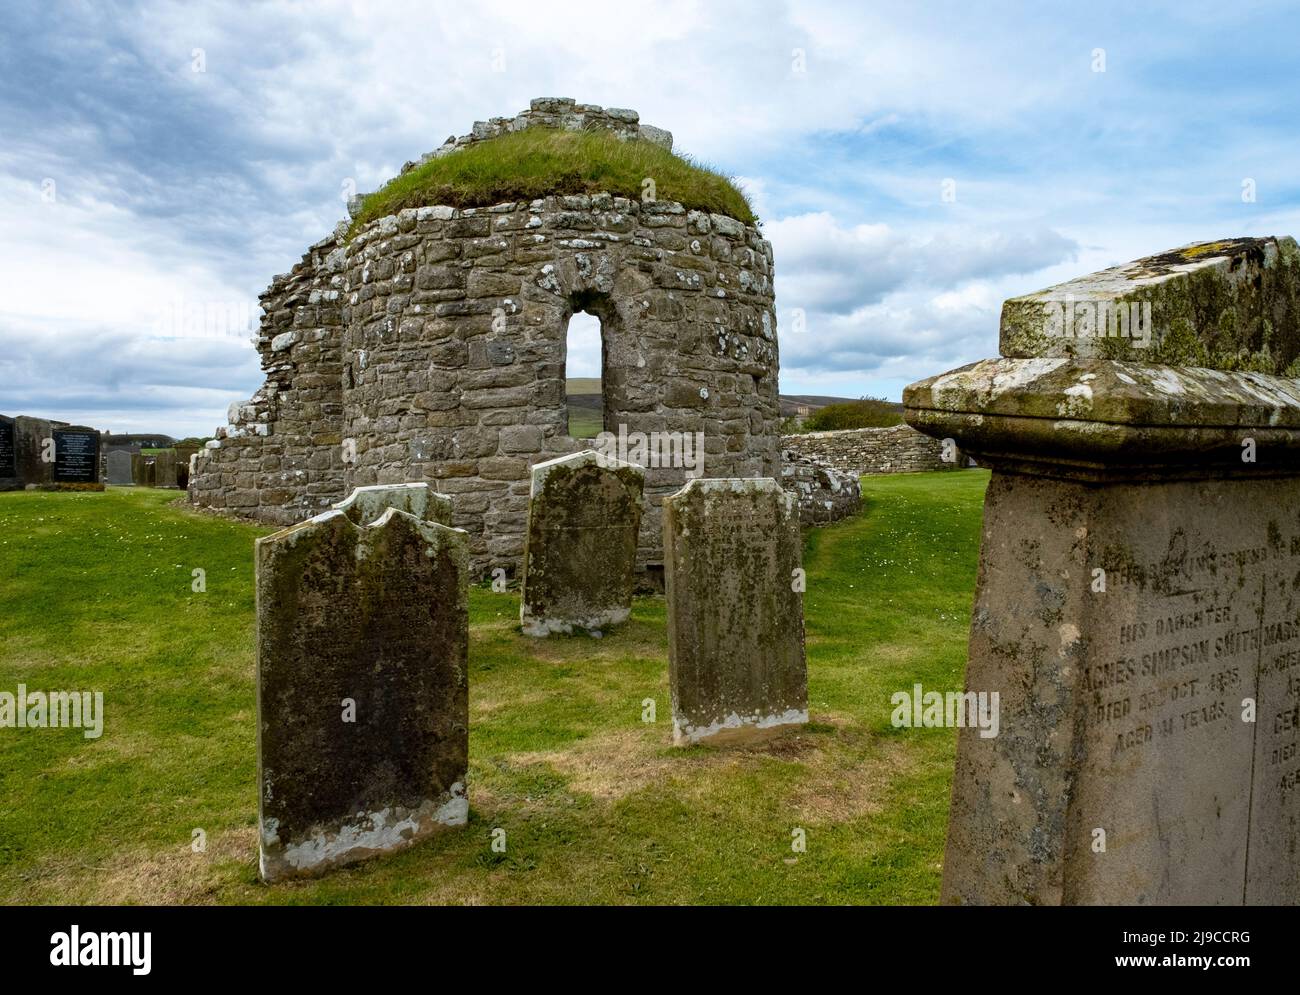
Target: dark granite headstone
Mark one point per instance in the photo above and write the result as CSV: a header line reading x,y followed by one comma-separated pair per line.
x,y
363,704
76,455
8,454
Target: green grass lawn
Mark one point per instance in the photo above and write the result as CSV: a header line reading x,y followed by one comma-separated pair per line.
x,y
95,594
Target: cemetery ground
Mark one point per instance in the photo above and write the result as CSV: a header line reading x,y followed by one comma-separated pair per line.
x,y
596,805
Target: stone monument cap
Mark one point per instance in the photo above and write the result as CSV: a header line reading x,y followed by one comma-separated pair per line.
x,y
540,471
366,504
1228,304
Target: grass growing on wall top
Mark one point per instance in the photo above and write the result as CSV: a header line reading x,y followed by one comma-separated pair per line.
x,y
538,162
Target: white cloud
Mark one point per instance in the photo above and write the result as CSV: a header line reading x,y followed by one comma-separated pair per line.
x,y
198,187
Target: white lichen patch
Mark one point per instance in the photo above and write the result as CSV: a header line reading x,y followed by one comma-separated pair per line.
x,y
589,622
367,834
685,734
1077,402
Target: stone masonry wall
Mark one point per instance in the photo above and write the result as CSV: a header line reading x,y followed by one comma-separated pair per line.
x,y
455,337
279,459
897,449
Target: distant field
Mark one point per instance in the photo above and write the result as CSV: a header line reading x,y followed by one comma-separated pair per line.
x,y
584,397
585,407
584,423
597,806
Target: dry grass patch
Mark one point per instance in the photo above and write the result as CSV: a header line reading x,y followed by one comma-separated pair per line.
x,y
613,765
173,876
846,781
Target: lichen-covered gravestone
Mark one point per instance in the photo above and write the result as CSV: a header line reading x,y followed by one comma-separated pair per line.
x,y
584,515
142,470
362,643
732,560
365,504
33,445
164,468
1138,607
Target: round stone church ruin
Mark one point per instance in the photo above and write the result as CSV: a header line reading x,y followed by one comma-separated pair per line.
x,y
429,345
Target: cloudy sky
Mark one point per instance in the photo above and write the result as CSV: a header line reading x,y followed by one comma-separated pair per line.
x,y
914,163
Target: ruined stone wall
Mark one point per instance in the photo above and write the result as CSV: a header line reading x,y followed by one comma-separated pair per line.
x,y
897,449
431,347
824,494
279,459
455,338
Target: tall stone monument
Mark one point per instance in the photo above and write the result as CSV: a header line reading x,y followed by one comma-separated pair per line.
x,y
584,514
732,561
1138,602
363,709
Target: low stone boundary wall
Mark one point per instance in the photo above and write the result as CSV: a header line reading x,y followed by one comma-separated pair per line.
x,y
897,449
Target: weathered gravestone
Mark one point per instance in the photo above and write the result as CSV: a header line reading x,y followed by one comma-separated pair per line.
x,y
9,479
732,555
584,514
1138,607
363,712
142,470
164,468
365,504
33,450
76,457
119,468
